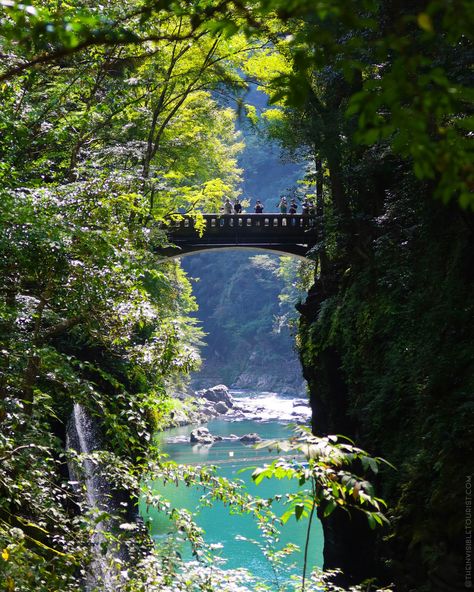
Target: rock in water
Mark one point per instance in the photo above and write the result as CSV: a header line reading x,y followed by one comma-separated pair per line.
x,y
221,408
217,394
250,438
208,410
300,403
201,436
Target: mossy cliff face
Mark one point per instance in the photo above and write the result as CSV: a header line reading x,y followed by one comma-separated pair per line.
x,y
387,345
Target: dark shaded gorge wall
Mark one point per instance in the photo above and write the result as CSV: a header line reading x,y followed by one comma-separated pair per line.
x,y
388,352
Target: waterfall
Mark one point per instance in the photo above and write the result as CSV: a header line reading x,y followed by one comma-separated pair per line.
x,y
86,440
83,436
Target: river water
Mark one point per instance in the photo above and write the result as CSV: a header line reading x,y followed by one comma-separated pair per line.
x,y
231,456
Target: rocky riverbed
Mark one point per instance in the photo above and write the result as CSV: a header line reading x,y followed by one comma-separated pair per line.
x,y
202,435
200,407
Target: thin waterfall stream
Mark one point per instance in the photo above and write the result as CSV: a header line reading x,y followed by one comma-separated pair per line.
x,y
82,426
83,436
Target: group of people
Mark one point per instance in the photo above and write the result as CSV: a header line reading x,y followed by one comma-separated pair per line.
x,y
235,207
307,206
230,208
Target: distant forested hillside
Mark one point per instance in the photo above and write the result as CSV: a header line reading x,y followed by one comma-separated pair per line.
x,y
267,171
238,291
248,341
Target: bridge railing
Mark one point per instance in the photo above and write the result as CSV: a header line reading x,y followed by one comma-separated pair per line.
x,y
248,222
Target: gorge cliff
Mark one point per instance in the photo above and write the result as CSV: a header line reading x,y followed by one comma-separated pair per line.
x,y
387,338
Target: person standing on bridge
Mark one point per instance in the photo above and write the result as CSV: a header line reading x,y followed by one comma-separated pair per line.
x,y
227,206
305,206
259,207
237,206
283,205
293,207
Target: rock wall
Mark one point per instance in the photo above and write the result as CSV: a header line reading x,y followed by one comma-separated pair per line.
x,y
387,350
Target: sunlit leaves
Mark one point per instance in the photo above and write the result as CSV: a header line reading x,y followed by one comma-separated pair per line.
x,y
415,93
90,314
37,27
424,21
429,129
325,478
88,309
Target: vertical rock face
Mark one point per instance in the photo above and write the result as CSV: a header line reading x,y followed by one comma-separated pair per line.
x,y
387,350
348,542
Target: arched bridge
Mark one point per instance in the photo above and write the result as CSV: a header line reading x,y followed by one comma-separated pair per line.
x,y
284,233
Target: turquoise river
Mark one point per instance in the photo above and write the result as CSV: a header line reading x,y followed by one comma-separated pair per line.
x,y
232,533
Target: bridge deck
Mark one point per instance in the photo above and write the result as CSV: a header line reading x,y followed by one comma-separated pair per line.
x,y
287,233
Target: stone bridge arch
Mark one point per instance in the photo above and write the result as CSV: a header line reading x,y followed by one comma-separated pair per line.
x,y
283,234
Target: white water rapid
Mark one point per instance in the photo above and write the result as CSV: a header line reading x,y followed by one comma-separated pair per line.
x,y
268,406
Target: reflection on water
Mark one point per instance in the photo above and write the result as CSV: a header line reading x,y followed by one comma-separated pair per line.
x,y
230,455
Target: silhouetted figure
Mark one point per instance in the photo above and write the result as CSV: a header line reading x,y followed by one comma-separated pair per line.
x,y
259,207
293,207
237,207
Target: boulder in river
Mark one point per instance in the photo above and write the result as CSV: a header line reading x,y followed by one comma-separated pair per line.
x,y
209,410
250,438
201,436
221,408
217,394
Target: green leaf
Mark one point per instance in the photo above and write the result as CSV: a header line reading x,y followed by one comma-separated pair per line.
x,y
299,509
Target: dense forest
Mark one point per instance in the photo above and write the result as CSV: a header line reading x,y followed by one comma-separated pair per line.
x,y
119,118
